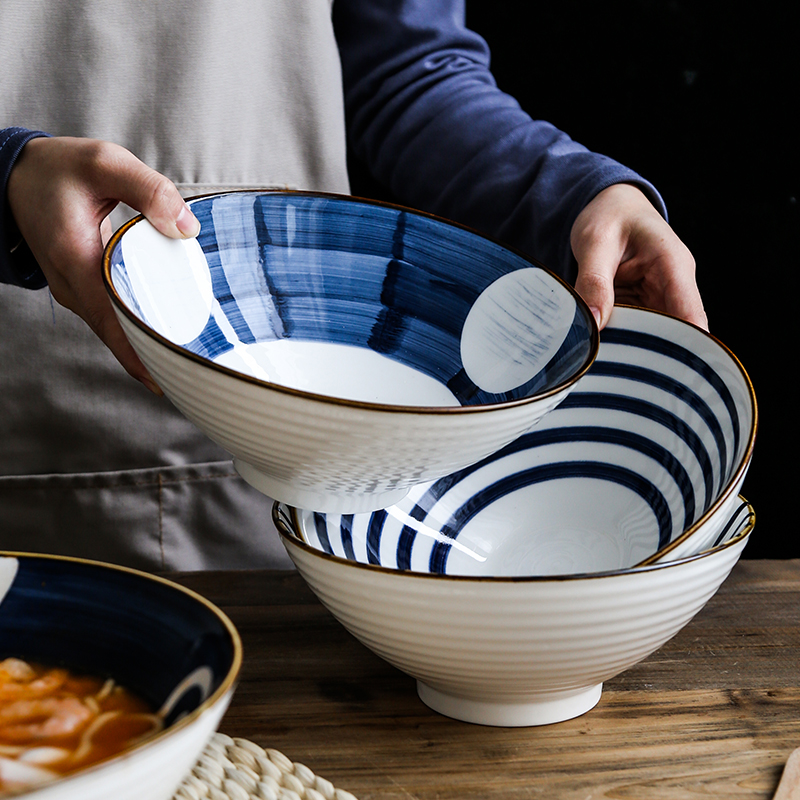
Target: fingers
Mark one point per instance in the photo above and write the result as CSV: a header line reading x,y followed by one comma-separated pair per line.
x,y
598,257
626,252
60,192
598,244
116,174
75,286
112,334
681,295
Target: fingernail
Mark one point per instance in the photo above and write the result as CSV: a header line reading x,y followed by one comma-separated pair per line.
x,y
187,223
152,386
598,317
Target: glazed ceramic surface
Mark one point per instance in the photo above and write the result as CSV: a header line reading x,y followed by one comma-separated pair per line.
x,y
643,461
344,351
169,645
514,651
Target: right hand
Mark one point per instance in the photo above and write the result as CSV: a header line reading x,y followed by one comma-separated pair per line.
x,y
60,192
627,253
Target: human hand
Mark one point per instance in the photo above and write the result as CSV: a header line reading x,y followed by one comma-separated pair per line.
x,y
627,253
60,192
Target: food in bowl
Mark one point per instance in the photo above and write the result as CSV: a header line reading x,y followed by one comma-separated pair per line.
x,y
344,350
54,721
176,655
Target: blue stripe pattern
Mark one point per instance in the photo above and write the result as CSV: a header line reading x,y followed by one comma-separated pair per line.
x,y
550,472
659,345
684,464
326,269
615,402
674,387
737,520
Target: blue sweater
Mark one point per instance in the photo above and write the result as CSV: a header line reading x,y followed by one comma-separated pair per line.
x,y
425,116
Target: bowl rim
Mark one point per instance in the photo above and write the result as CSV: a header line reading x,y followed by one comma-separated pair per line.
x,y
285,518
747,455
227,685
121,306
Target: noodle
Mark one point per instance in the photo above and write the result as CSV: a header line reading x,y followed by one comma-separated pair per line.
x,y
53,722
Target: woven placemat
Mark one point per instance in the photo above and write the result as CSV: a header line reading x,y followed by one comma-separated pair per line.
x,y
238,769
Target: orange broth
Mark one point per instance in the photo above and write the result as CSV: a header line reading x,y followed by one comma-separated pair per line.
x,y
53,722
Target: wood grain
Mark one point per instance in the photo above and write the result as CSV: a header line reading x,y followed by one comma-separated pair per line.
x,y
713,714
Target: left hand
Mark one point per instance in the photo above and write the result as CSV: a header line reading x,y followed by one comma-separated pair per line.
x,y
60,192
628,253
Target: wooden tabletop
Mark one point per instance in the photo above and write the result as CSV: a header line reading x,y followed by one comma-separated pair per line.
x,y
713,714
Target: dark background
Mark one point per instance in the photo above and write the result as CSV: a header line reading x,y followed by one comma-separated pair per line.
x,y
701,99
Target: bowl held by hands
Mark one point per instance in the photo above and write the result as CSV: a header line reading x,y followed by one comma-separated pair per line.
x,y
346,350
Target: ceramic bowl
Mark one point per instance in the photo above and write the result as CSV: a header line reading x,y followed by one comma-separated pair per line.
x,y
514,651
345,350
165,643
643,461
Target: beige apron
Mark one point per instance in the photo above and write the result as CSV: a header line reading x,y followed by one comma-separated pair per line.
x,y
215,95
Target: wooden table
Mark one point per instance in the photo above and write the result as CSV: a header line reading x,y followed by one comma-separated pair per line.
x,y
713,714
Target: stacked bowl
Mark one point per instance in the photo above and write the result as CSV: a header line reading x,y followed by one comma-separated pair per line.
x,y
642,462
512,589
491,496
514,651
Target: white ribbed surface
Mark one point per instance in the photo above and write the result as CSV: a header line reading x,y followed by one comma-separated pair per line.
x,y
507,645
329,456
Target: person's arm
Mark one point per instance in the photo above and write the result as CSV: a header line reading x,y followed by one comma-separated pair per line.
x,y
426,117
59,192
17,264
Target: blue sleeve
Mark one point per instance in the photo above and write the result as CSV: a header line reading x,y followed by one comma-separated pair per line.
x,y
426,118
18,267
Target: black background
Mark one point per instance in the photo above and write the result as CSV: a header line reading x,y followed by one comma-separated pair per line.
x,y
701,99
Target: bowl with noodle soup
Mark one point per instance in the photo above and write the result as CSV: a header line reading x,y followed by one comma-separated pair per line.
x,y
112,681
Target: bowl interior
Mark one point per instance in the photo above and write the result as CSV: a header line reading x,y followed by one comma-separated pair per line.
x,y
352,299
306,529
640,454
168,645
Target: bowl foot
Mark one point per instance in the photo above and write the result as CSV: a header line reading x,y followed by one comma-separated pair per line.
x,y
544,710
289,493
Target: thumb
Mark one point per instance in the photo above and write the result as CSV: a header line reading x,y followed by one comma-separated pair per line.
x,y
597,267
129,180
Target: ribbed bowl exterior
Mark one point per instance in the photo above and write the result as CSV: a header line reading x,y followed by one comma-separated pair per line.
x,y
514,640
326,450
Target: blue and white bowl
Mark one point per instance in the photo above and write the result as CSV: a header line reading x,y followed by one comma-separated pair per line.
x,y
642,462
167,644
522,650
346,350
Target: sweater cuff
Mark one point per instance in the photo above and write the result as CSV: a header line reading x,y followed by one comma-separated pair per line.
x,y
17,264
